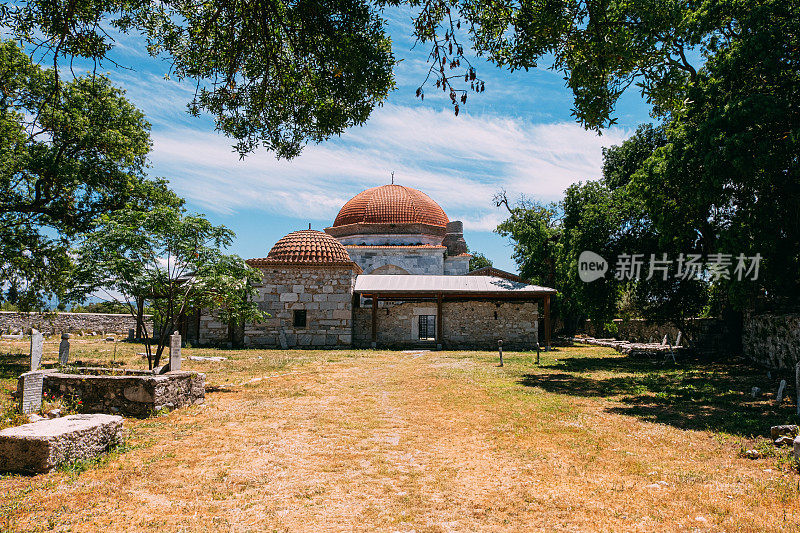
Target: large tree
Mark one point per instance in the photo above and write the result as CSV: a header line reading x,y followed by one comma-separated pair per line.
x,y
273,74
172,261
606,217
727,180
69,151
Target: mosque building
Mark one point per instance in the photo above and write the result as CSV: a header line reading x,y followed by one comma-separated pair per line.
x,y
391,272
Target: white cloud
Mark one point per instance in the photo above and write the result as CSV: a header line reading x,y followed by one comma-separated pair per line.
x,y
461,162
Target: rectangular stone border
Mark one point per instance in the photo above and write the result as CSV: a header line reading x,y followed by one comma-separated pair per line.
x,y
135,393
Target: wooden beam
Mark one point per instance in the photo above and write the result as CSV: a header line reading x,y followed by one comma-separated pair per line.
x,y
439,318
547,323
375,299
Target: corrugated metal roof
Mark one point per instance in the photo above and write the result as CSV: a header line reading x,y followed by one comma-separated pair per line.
x,y
386,284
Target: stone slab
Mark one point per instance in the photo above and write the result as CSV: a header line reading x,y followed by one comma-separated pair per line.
x,y
41,446
37,348
29,391
174,352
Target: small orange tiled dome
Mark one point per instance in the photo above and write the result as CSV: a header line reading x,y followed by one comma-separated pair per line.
x,y
306,247
391,204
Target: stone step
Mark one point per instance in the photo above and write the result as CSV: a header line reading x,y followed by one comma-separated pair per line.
x,y
40,446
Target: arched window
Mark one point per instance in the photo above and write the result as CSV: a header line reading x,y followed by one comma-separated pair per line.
x,y
390,270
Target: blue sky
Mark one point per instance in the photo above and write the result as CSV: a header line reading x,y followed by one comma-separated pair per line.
x,y
518,135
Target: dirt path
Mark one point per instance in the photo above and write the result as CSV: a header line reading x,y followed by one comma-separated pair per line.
x,y
403,442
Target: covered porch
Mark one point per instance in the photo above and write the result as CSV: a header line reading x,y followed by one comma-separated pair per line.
x,y
456,312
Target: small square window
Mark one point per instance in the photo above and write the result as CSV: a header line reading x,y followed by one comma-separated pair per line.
x,y
299,318
427,327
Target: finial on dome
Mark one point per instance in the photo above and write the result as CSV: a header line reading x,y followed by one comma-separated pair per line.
x,y
309,225
392,177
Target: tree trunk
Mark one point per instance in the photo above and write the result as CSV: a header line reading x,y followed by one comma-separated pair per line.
x,y
139,317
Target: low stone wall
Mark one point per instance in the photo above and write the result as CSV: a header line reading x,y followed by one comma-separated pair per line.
x,y
772,340
57,322
636,349
705,335
134,393
635,330
466,325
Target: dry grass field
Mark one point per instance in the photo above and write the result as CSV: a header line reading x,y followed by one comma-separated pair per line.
x,y
436,441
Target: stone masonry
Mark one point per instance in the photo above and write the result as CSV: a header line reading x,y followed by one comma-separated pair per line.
x,y
52,323
324,293
130,392
414,260
468,324
772,340
40,446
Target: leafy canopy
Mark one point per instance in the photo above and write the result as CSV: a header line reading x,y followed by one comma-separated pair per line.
x,y
69,151
169,259
272,74
278,74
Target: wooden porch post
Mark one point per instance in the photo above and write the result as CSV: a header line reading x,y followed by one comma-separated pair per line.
x,y
375,298
547,322
439,320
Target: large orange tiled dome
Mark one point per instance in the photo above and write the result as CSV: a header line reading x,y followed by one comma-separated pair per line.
x,y
306,247
391,204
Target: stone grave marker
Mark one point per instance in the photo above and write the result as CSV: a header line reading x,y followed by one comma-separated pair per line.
x,y
678,340
797,385
29,388
175,352
781,388
63,350
282,339
37,347
131,334
664,342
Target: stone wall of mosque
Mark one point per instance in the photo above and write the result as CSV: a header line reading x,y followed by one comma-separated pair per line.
x,y
322,294
466,325
58,322
456,265
417,261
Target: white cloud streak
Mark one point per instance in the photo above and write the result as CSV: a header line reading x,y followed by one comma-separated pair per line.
x,y
461,162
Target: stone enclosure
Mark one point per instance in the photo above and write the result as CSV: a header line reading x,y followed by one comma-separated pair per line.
x,y
136,393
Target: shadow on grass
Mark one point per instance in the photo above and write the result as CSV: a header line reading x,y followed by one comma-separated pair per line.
x,y
693,395
12,365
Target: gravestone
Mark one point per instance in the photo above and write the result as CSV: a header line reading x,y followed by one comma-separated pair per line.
x,y
781,388
131,334
29,390
63,350
664,342
678,340
282,339
797,385
175,352
37,347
